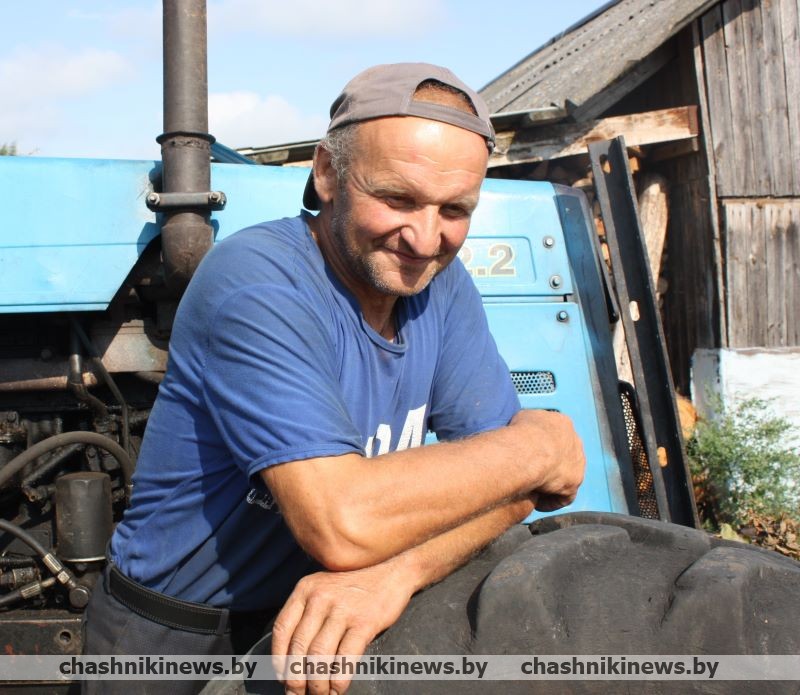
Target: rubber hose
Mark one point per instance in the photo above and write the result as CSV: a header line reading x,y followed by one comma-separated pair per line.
x,y
53,462
112,386
19,462
62,574
14,562
17,594
24,536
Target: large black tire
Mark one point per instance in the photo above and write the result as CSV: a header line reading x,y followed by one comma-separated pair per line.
x,y
592,583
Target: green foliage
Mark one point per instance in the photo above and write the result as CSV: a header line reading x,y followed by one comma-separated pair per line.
x,y
7,150
745,458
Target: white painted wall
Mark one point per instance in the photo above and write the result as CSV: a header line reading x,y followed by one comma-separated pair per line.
x,y
772,374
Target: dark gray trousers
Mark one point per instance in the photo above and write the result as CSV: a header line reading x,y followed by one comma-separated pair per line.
x,y
110,628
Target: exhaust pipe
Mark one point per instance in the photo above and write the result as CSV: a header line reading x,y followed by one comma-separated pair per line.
x,y
186,199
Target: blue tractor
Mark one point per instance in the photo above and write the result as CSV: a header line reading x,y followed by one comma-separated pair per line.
x,y
93,260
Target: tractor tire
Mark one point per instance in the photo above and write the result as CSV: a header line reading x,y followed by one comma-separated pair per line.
x,y
597,583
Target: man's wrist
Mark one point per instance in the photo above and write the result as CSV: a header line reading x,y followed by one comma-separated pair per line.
x,y
409,569
426,564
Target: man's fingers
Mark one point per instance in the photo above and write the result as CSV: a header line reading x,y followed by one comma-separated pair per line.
x,y
550,503
304,633
285,624
353,644
326,643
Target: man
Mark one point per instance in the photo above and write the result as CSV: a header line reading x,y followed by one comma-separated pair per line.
x,y
309,357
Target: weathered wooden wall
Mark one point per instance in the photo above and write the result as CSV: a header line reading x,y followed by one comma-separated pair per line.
x,y
751,50
751,68
691,307
762,264
690,311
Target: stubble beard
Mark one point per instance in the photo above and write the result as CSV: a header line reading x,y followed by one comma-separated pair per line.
x,y
366,267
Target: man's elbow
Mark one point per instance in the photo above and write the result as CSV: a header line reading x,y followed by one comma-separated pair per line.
x,y
341,543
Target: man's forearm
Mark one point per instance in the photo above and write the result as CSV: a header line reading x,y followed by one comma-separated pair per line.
x,y
350,512
440,556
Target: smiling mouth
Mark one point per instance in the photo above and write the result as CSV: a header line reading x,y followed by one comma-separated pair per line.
x,y
410,259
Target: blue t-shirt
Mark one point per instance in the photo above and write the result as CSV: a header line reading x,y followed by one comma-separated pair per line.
x,y
271,361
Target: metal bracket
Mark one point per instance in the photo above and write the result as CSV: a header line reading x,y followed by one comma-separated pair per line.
x,y
643,332
165,202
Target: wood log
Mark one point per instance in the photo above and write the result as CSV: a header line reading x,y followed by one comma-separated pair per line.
x,y
687,415
653,215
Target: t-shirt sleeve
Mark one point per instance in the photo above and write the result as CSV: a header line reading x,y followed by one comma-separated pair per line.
x,y
270,379
472,389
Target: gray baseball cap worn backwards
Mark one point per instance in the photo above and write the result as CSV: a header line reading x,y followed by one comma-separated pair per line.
x,y
388,90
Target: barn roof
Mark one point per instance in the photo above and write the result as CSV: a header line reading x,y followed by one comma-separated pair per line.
x,y
593,63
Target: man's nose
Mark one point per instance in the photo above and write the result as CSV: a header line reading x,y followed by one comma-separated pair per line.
x,y
422,233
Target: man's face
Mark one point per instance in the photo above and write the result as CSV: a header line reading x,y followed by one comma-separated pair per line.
x,y
403,210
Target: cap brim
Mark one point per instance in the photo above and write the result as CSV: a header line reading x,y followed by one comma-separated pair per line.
x,y
310,199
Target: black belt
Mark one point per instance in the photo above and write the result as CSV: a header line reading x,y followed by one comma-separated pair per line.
x,y
166,610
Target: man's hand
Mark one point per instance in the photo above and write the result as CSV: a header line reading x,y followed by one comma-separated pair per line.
x,y
339,613
554,433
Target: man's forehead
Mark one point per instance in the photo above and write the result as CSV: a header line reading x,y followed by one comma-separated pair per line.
x,y
412,156
415,136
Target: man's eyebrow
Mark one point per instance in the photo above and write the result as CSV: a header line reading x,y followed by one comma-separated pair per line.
x,y
389,189
468,202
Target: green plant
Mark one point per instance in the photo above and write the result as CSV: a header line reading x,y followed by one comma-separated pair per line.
x,y
746,461
7,150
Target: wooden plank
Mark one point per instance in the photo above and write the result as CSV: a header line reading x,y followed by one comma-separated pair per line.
x,y
756,275
777,149
693,271
782,225
736,273
716,302
743,179
775,236
790,42
679,148
720,134
680,305
540,144
759,99
790,221
682,238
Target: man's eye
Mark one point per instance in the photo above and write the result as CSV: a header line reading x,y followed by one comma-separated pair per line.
x,y
399,202
455,212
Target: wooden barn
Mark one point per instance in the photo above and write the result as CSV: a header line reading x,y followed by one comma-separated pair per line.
x,y
705,93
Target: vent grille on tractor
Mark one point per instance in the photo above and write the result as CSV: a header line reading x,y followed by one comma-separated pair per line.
x,y
533,382
645,491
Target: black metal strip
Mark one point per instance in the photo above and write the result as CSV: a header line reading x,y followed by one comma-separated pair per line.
x,y
643,332
592,293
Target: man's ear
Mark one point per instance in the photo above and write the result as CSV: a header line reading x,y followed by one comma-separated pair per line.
x,y
325,179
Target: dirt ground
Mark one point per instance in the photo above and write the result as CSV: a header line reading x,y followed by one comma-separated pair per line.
x,y
780,535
